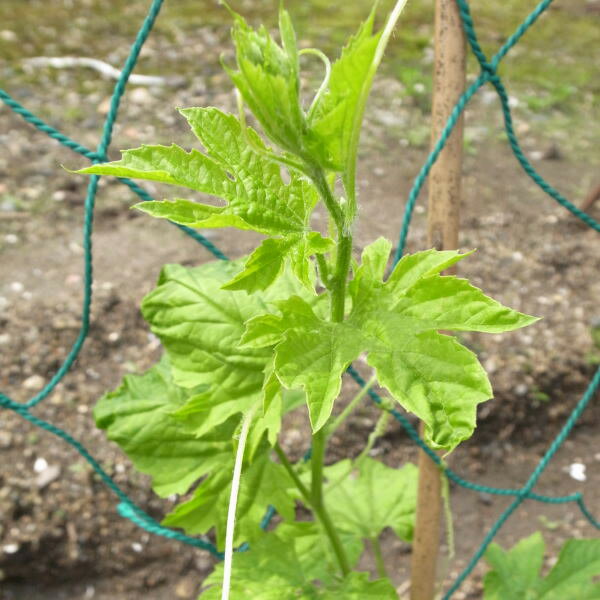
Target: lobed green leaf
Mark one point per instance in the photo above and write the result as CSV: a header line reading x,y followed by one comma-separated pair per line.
x,y
264,483
359,503
284,565
515,573
396,323
235,169
139,417
201,326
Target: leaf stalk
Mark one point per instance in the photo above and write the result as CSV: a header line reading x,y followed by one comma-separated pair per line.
x,y
351,406
317,504
314,499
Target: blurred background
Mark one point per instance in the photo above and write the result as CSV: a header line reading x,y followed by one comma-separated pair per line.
x,y
60,536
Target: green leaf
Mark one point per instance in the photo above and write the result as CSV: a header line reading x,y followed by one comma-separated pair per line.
x,y
266,264
201,326
263,483
357,586
263,331
334,116
313,355
395,322
171,165
413,267
138,417
263,266
360,503
281,566
575,574
309,245
452,303
515,573
268,79
432,376
233,169
314,550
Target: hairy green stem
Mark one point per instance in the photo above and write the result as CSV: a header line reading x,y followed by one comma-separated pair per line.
x,y
378,554
340,277
351,406
335,210
337,287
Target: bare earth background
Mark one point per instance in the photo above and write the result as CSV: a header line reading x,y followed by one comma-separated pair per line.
x,y
60,535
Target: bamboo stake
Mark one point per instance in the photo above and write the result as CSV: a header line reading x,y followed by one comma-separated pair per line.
x,y
443,220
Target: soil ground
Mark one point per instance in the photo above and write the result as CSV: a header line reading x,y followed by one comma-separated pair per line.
x,y
62,538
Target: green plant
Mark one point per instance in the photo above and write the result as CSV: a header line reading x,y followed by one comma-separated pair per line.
x,y
248,341
515,573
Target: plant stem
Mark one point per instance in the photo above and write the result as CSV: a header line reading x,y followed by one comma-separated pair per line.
x,y
338,301
323,270
351,406
378,554
317,507
318,177
235,488
316,495
287,465
338,283
316,467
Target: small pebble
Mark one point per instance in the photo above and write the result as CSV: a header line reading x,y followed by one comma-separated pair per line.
x,y
10,548
521,389
137,547
40,464
17,287
8,36
34,383
11,238
186,588
485,498
577,471
46,477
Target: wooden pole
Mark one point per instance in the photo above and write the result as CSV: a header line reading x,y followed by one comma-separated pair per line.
x,y
443,220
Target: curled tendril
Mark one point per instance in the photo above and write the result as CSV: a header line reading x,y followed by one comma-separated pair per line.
x,y
324,84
